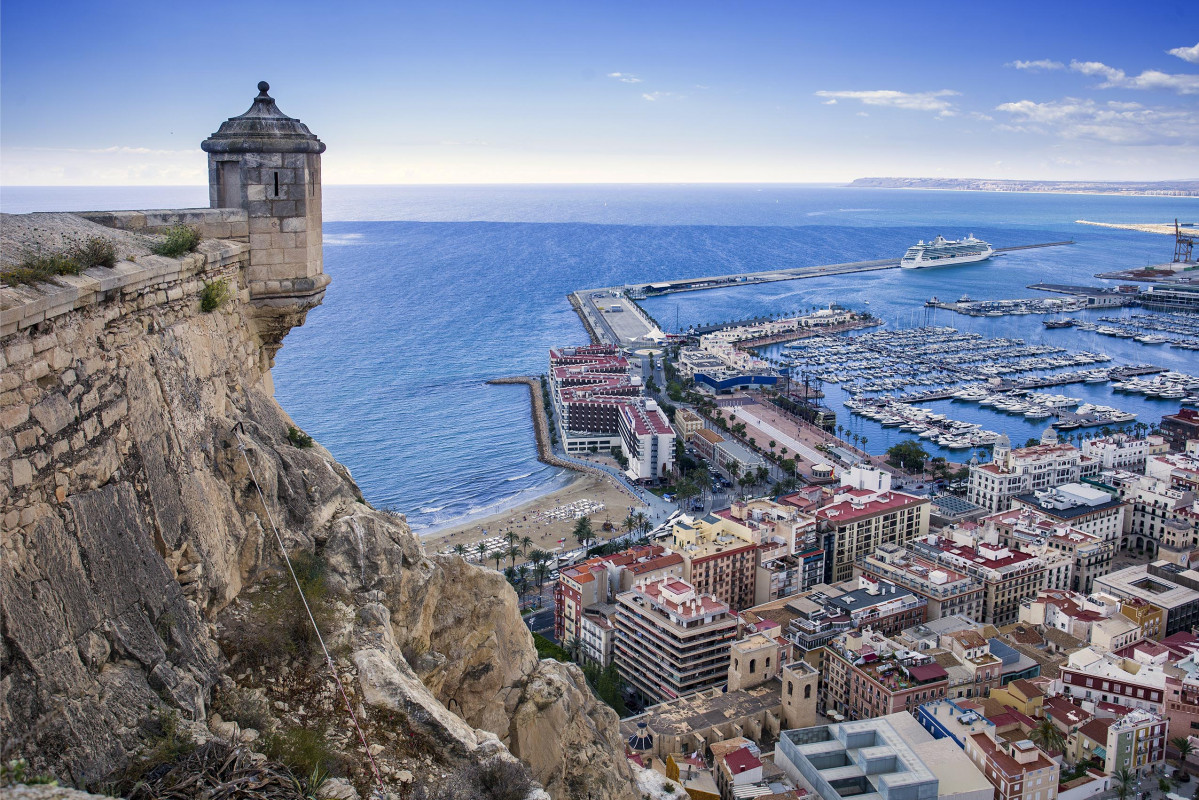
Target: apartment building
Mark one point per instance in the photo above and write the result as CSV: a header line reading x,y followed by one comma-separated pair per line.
x,y
1135,741
1008,576
790,559
868,675
1121,451
1013,472
1091,676
599,404
720,557
1095,619
1079,506
647,440
1033,531
864,515
671,640
1180,428
1017,768
598,580
977,672
947,591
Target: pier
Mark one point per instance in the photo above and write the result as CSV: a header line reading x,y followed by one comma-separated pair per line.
x,y
612,315
1064,379
788,274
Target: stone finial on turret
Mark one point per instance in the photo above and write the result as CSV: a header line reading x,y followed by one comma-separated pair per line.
x,y
269,164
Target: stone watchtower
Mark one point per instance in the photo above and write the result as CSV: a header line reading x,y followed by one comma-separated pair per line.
x,y
269,165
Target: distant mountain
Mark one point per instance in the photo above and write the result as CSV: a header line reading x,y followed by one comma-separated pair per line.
x,y
1163,188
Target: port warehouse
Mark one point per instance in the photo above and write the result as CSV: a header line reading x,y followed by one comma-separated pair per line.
x,y
1171,297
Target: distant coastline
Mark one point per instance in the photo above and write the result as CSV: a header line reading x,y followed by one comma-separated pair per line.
x,y
1143,227
1186,188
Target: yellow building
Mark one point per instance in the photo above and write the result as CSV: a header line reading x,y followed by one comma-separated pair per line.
x,y
1022,696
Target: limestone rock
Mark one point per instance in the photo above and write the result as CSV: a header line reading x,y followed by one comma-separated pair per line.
x,y
146,511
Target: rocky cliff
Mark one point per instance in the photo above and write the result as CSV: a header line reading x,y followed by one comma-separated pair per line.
x,y
142,461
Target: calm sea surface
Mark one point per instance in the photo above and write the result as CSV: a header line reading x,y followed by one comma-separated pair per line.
x,y
437,289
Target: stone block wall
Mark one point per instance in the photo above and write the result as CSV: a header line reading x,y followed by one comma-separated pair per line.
x,y
212,223
57,397
281,195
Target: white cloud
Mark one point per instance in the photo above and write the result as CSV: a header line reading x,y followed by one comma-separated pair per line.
x,y
914,101
624,77
1041,63
1149,79
652,96
831,102
1114,122
1190,54
863,114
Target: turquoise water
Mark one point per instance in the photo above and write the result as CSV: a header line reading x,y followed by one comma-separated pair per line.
x,y
437,289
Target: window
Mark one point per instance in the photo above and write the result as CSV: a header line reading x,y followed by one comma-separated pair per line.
x,y
791,690
807,692
752,663
276,184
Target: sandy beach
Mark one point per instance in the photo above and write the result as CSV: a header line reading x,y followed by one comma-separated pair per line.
x,y
532,518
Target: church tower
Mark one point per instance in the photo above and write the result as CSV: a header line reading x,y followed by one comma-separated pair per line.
x,y
269,165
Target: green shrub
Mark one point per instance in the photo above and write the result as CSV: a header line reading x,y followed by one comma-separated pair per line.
x,y
298,438
248,709
96,252
17,772
180,240
547,649
215,293
41,267
305,752
277,626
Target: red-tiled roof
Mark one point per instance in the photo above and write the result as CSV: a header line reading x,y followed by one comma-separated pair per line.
x,y
742,760
875,503
1096,729
928,672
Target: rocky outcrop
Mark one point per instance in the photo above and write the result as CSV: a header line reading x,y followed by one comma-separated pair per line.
x,y
133,534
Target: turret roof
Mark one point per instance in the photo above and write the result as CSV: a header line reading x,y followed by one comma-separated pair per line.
x,y
263,129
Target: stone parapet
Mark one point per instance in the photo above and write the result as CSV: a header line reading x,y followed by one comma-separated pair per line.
x,y
149,280
212,223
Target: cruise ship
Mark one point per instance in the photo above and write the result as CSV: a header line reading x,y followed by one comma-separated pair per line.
x,y
941,252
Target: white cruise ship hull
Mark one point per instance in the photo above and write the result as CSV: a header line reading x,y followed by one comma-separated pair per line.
x,y
947,261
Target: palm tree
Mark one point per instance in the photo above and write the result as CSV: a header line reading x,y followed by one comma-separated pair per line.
x,y
526,542
498,554
459,549
481,549
511,537
703,481
573,647
642,522
522,579
1184,747
762,474
513,553
582,530
1125,782
630,523
1047,736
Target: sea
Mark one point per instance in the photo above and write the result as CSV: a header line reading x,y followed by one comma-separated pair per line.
x,y
437,289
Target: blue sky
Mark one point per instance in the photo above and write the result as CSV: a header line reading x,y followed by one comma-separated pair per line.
x,y
461,92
